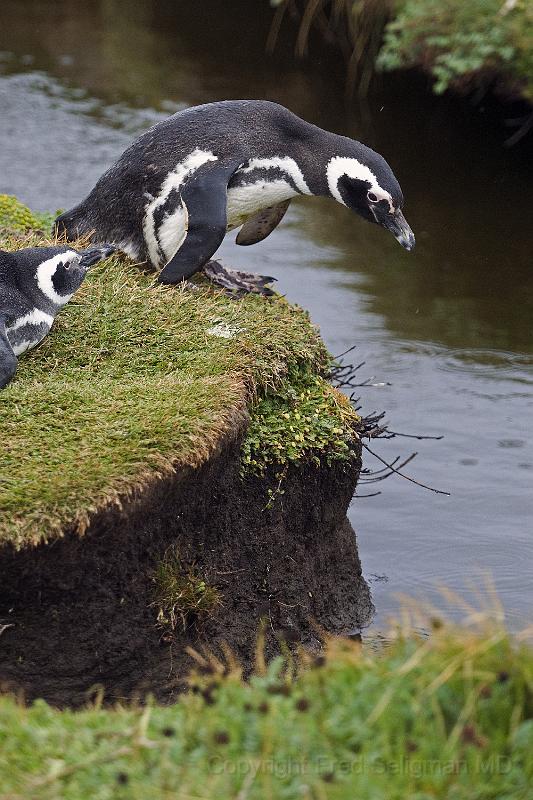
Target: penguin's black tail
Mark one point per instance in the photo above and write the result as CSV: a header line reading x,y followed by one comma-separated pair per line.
x,y
70,225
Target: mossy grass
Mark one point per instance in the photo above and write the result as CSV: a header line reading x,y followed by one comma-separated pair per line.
x,y
135,381
182,596
448,716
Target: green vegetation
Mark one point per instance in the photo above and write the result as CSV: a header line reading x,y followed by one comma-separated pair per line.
x,y
305,418
181,594
449,716
15,216
463,45
135,381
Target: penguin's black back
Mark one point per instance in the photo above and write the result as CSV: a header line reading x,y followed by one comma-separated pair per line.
x,y
257,127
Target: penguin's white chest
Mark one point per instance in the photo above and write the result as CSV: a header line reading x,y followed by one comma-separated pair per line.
x,y
243,201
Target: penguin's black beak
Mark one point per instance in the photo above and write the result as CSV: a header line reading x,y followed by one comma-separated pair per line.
x,y
95,254
400,228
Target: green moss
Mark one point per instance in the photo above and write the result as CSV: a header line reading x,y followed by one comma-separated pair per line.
x,y
137,380
181,594
448,717
18,217
304,419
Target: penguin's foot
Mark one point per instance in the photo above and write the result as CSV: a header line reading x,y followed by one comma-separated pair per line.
x,y
236,281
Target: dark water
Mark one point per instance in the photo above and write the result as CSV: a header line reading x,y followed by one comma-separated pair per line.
x,y
446,331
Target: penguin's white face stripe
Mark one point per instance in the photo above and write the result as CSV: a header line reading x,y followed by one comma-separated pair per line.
x,y
245,200
340,165
283,163
29,330
35,317
173,180
45,273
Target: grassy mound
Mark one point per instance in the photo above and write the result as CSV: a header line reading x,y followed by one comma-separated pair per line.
x,y
446,717
136,381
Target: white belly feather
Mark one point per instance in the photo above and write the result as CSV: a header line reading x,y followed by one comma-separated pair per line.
x,y
173,231
243,201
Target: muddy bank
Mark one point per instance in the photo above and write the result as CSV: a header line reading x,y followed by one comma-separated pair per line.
x,y
81,611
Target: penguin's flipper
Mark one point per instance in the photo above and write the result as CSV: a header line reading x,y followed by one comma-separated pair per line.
x,y
204,196
8,359
260,225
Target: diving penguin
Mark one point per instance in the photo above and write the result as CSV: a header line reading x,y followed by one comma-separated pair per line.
x,y
173,194
34,284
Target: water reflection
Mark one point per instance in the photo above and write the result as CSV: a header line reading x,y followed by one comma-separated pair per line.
x,y
449,326
480,297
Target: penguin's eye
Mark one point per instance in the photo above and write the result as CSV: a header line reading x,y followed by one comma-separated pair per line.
x,y
372,197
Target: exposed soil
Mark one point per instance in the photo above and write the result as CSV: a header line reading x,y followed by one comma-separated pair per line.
x,y
81,608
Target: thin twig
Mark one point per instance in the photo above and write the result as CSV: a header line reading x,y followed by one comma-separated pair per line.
x,y
526,126
349,350
407,477
392,469
414,435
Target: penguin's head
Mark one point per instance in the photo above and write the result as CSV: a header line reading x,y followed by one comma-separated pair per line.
x,y
71,268
60,271
366,184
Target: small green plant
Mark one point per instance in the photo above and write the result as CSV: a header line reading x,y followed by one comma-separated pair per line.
x,y
305,418
464,45
181,594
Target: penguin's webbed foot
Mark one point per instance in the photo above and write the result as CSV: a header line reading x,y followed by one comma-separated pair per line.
x,y
236,281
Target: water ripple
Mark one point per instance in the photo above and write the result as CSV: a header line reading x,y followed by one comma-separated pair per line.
x,y
476,362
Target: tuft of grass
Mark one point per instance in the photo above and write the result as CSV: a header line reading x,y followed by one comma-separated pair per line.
x,y
135,381
181,594
447,715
